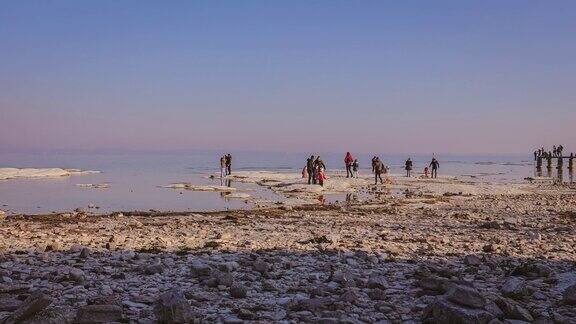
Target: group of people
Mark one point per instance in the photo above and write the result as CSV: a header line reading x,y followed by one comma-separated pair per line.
x,y
542,153
225,165
434,166
315,170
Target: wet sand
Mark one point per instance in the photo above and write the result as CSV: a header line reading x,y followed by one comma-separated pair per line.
x,y
422,250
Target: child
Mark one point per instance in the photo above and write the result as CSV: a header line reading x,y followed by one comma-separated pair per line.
x,y
426,172
321,176
355,167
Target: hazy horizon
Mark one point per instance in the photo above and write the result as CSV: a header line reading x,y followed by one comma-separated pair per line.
x,y
451,77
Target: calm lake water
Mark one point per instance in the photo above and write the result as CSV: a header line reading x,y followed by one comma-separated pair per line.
x,y
134,177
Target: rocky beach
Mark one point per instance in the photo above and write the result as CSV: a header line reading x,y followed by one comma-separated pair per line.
x,y
446,250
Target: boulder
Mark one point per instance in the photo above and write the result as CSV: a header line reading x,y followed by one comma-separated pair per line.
x,y
172,307
443,311
434,285
569,295
34,304
466,296
513,310
515,288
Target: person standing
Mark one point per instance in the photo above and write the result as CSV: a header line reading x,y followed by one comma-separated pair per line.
x,y
554,150
434,165
228,164
355,167
379,168
319,163
321,176
571,161
408,167
223,166
310,169
348,160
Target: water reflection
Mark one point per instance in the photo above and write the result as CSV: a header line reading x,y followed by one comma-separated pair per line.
x,y
557,176
226,182
560,177
538,172
351,197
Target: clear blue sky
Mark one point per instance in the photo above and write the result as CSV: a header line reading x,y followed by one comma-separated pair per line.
x,y
385,76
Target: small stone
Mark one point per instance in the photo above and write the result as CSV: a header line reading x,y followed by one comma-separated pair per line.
x,y
224,278
377,281
153,269
245,314
349,296
200,269
238,291
84,253
472,260
54,246
76,275
377,294
261,266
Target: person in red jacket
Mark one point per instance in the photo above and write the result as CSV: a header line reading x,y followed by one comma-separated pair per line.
x,y
321,176
348,160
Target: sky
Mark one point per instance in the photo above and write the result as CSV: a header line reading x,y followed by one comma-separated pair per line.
x,y
465,77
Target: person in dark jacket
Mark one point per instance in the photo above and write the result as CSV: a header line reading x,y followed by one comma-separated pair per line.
x,y
228,164
379,168
310,169
408,167
434,165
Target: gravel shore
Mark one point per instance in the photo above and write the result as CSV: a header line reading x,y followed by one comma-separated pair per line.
x,y
429,255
